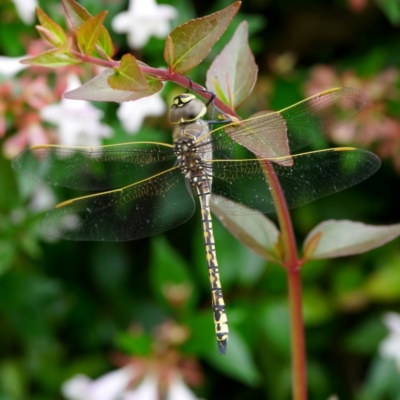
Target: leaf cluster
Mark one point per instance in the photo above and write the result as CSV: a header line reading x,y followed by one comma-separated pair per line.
x,y
232,75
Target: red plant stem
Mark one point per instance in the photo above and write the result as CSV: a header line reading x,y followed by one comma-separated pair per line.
x,y
292,265
299,363
163,75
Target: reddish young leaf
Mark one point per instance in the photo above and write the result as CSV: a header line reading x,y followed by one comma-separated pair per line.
x,y
128,76
188,44
268,140
98,89
169,51
233,73
48,36
78,15
344,238
50,31
88,33
53,58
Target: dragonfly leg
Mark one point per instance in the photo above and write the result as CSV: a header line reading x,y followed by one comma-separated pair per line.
x,y
212,94
217,300
210,100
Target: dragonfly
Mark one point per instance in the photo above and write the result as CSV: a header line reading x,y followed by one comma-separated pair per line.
x,y
144,188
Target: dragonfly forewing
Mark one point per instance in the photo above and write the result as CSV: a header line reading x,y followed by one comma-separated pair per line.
x,y
95,168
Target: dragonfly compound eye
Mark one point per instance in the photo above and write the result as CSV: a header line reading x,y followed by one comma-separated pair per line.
x,y
186,108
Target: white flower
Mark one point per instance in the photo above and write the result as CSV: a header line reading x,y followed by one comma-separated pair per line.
x,y
390,346
78,121
147,389
10,66
143,19
113,386
26,10
179,391
108,387
132,113
43,198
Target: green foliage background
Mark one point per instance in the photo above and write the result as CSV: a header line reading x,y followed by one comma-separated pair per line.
x,y
65,306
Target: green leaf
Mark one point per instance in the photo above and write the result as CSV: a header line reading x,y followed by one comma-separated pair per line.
x,y
382,380
169,274
274,321
88,33
317,307
253,228
347,280
78,15
237,362
188,44
365,337
384,283
202,334
98,89
13,380
9,191
218,90
7,253
343,238
110,280
238,264
135,343
105,43
53,59
49,30
391,8
234,71
128,76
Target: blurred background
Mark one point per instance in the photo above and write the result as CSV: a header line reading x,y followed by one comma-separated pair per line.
x,y
142,308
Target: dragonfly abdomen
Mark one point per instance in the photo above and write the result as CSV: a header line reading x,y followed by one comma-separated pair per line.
x,y
217,299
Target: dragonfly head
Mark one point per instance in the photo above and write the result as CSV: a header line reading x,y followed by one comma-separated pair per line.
x,y
186,108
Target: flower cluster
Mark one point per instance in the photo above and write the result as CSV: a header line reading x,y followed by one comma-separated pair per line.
x,y
116,385
374,127
29,101
164,373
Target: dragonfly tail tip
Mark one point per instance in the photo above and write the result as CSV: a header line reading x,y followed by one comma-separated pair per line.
x,y
222,346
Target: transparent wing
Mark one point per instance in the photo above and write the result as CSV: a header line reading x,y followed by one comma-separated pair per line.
x,y
309,177
278,134
95,168
135,211
321,114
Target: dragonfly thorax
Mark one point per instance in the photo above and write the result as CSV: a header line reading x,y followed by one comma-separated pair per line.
x,y
189,161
